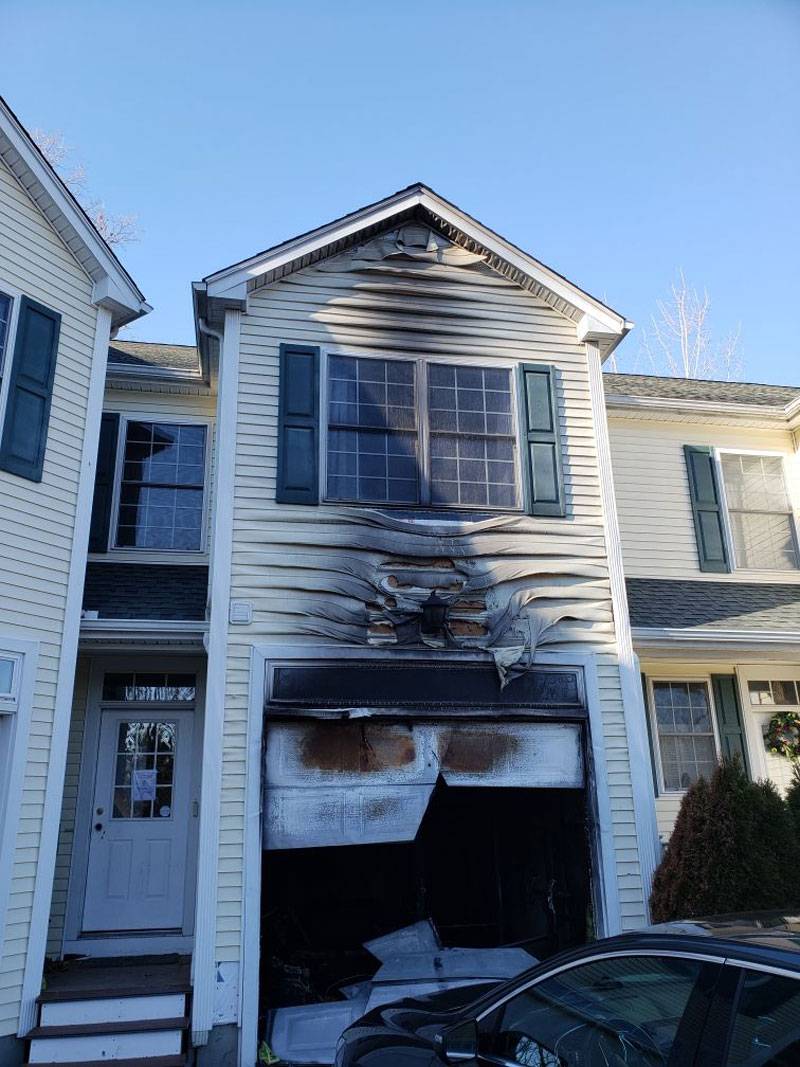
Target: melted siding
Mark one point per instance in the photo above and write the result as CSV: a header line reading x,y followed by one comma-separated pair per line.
x,y
468,313
36,529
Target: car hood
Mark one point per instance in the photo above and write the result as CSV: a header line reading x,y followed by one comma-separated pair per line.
x,y
423,1016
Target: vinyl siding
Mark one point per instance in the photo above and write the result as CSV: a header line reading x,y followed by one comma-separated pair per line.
x,y
471,314
36,529
653,504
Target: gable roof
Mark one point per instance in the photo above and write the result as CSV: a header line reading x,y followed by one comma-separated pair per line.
x,y
113,286
229,288
152,359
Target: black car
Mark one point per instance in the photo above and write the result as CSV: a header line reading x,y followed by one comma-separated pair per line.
x,y
707,993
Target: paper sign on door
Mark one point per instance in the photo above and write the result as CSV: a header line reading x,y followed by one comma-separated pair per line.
x,y
144,785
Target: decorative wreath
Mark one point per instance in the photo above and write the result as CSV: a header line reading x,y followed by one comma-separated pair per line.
x,y
783,734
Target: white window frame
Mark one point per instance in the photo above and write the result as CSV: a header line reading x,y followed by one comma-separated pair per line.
x,y
676,679
119,461
755,715
718,453
14,737
423,429
16,297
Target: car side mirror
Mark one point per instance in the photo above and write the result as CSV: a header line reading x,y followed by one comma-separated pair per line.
x,y
460,1043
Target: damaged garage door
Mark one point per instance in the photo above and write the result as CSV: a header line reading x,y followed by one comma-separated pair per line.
x,y
359,782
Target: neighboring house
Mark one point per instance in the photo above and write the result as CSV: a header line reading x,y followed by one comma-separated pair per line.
x,y
62,292
708,491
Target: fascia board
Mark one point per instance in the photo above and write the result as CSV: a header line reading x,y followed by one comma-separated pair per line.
x,y
610,320
127,292
652,635
224,282
663,405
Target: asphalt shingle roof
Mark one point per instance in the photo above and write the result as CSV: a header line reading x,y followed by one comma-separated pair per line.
x,y
145,590
151,356
658,602
651,385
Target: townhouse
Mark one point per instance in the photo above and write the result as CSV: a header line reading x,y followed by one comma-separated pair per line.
x,y
365,639
706,477
62,292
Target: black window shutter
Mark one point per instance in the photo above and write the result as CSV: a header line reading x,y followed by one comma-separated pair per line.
x,y
729,718
541,460
104,483
706,509
298,426
30,390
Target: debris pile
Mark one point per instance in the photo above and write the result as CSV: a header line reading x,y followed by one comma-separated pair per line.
x,y
413,963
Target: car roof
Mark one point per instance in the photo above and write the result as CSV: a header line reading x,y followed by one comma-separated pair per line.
x,y
765,937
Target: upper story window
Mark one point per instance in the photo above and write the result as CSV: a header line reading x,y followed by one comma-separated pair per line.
x,y
161,490
743,516
421,432
10,665
760,515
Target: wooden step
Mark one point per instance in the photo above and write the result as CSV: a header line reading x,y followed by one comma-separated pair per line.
x,y
135,1026
109,1008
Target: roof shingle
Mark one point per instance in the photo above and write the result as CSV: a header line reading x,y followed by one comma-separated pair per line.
x,y
669,603
145,591
147,355
651,385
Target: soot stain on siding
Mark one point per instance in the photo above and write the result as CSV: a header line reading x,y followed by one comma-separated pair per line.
x,y
352,747
467,752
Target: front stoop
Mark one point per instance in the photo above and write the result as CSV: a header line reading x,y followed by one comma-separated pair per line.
x,y
123,1012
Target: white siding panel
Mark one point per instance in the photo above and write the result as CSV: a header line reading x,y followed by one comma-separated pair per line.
x,y
36,529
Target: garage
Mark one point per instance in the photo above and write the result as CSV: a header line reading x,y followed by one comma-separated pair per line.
x,y
399,794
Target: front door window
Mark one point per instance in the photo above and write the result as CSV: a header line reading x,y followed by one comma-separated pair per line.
x,y
145,770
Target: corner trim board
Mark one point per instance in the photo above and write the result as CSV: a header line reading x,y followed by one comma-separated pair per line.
x,y
213,729
630,674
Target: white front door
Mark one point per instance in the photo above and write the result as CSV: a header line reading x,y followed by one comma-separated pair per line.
x,y
140,821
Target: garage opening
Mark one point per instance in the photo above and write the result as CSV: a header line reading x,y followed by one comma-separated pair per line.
x,y
423,829
488,867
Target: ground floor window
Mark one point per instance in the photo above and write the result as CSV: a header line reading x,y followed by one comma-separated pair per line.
x,y
685,732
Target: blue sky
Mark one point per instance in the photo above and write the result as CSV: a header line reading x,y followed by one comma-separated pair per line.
x,y
616,141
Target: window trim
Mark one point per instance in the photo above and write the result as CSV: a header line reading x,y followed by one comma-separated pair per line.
x,y
651,712
122,431
423,429
727,526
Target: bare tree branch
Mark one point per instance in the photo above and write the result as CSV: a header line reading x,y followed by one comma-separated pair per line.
x,y
115,229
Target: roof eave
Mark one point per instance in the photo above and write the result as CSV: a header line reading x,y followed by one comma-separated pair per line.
x,y
229,287
114,288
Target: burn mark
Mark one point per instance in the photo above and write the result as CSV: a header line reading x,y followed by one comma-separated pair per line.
x,y
467,628
346,748
472,752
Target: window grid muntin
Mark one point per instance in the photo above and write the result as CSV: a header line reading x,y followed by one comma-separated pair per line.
x,y
423,433
679,747
132,757
188,496
782,548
